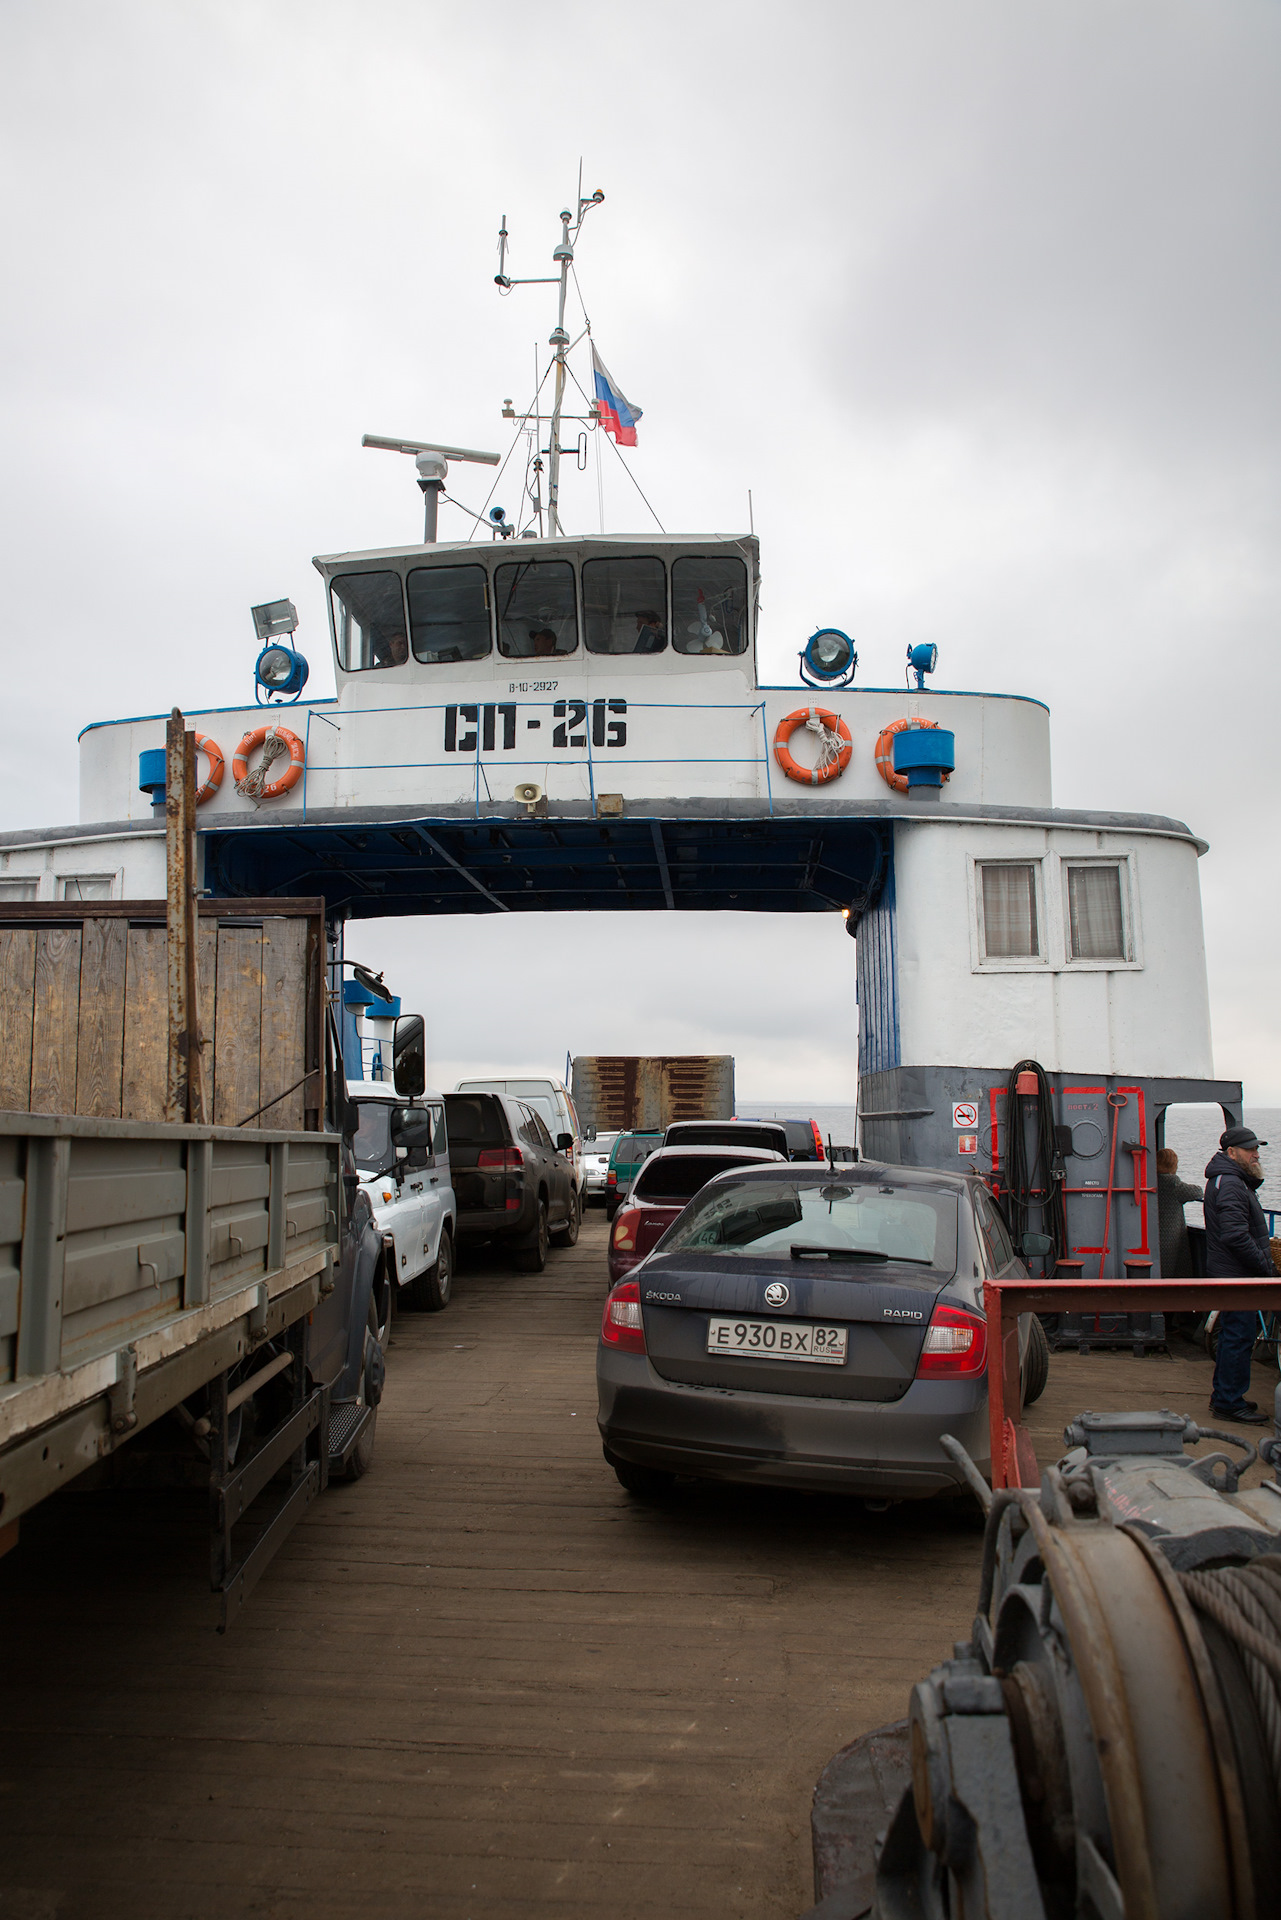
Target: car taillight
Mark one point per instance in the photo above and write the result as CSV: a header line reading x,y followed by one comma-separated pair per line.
x,y
819,1153
510,1157
625,1230
611,1178
621,1325
955,1344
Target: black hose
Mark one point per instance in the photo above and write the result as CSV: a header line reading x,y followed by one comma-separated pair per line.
x,y
1039,1182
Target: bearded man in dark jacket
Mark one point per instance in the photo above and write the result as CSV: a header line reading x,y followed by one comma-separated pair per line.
x,y
1236,1245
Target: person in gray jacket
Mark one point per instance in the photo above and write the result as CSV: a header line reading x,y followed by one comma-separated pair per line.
x,y
1236,1245
1171,1197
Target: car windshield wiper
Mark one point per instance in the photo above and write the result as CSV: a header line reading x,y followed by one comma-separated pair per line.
x,y
869,1254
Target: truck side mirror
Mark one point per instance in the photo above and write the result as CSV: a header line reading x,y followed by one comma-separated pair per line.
x,y
350,1111
410,1127
409,1056
564,1143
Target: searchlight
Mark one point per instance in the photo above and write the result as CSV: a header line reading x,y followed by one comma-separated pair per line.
x,y
828,659
922,660
280,671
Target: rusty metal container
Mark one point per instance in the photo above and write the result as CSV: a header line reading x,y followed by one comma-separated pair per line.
x,y
620,1090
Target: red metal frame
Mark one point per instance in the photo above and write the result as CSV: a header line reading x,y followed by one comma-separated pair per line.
x,y
1013,1455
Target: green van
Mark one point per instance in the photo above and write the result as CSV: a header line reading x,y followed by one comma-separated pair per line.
x,y
627,1156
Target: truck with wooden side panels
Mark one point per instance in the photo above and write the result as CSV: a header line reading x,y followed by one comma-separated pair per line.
x,y
181,1303
645,1092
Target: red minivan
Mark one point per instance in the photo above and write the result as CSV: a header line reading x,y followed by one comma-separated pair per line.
x,y
660,1192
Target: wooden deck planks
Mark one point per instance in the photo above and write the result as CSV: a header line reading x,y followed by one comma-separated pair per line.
x,y
481,1682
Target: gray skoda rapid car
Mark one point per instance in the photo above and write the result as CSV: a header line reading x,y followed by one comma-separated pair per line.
x,y
808,1326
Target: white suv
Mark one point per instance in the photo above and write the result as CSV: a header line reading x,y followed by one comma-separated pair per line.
x,y
409,1190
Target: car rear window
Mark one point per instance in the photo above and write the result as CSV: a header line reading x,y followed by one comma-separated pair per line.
x,y
631,1147
769,1218
475,1120
740,1133
679,1180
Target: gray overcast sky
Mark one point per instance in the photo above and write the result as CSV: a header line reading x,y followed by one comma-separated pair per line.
x,y
980,297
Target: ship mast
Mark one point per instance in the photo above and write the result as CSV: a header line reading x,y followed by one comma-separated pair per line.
x,y
558,340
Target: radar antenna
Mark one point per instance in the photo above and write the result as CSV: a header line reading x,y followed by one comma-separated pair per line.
x,y
432,461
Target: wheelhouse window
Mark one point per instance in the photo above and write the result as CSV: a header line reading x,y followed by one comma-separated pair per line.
x,y
1007,911
369,620
537,615
1096,913
449,613
625,605
709,605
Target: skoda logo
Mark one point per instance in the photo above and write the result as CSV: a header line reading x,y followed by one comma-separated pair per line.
x,y
776,1294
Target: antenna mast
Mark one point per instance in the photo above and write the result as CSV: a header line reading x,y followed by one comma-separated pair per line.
x,y
563,258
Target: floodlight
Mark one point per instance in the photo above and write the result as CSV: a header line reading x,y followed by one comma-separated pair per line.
x,y
828,659
274,617
922,660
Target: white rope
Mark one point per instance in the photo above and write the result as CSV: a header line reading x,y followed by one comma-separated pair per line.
x,y
829,743
253,783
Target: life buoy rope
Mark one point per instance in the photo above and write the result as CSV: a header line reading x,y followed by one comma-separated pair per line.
x,y
885,752
274,741
217,767
834,745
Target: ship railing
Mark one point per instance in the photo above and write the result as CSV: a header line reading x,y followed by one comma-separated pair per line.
x,y
597,712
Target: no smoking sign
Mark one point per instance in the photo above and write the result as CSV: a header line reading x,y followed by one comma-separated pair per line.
x,y
965,1114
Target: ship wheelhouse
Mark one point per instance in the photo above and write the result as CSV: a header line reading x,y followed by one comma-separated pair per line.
x,y
437,614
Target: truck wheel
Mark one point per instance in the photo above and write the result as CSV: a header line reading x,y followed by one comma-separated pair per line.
x,y
533,1258
567,1236
1036,1366
430,1291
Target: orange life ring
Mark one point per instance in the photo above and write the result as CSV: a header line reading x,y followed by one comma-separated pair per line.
x,y
885,752
832,765
251,784
217,767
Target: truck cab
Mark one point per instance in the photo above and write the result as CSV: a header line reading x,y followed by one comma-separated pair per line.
x,y
408,1188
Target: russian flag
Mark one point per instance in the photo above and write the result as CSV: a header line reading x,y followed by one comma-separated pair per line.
x,y
617,414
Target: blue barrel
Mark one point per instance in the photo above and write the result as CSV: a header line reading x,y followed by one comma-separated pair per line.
x,y
924,754
151,774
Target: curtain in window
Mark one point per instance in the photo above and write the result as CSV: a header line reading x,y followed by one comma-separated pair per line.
x,y
1096,929
1009,913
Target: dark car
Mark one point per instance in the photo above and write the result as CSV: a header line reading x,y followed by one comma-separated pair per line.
x,y
661,1190
802,1328
769,1134
804,1141
512,1182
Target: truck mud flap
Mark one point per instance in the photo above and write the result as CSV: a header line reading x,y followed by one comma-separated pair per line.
x,y
233,1493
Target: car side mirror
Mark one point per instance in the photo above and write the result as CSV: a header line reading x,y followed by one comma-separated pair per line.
x,y
1037,1245
564,1143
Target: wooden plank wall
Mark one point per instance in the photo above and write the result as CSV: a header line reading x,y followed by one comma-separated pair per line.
x,y
84,1023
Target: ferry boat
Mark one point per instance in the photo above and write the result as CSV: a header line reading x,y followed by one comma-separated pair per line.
x,y
529,718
